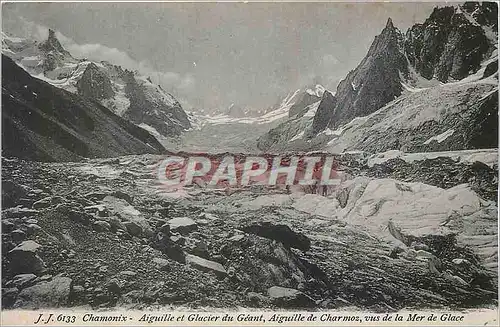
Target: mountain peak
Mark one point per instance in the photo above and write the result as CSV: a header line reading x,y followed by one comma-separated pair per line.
x,y
52,34
389,23
52,43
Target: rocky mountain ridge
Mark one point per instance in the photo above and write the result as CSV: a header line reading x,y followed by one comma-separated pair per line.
x,y
451,43
451,46
43,123
126,93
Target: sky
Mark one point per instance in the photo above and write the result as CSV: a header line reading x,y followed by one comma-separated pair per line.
x,y
210,55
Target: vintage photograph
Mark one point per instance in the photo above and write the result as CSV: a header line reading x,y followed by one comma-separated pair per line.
x,y
259,156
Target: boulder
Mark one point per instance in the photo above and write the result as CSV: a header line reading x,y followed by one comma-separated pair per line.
x,y
236,238
9,296
289,297
206,265
32,229
128,274
43,203
114,286
196,247
280,233
161,264
128,214
165,228
23,258
52,294
18,236
182,225
262,263
163,243
11,193
491,69
101,226
133,228
7,226
23,280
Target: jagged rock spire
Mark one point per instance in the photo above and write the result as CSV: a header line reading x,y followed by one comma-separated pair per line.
x,y
373,83
389,23
52,34
52,43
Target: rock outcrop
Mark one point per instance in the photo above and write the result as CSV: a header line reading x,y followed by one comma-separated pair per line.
x,y
95,84
324,114
50,294
376,80
449,45
152,106
299,108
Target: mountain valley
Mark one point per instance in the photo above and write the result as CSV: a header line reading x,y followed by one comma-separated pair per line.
x,y
87,224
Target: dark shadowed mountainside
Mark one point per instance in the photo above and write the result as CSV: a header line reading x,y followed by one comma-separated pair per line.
x,y
45,123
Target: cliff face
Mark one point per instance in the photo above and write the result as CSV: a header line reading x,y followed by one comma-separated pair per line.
x,y
375,81
450,44
324,113
95,84
154,107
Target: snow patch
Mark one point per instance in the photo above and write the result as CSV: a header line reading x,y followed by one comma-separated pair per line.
x,y
320,89
311,109
486,156
441,137
119,104
297,137
416,209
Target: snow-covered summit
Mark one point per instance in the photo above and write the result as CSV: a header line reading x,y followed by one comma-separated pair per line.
x,y
126,93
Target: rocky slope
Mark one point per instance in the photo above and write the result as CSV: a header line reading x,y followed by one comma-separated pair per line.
x,y
42,122
126,93
103,233
456,45
449,117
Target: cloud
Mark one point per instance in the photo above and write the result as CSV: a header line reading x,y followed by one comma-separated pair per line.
x,y
181,84
329,61
99,52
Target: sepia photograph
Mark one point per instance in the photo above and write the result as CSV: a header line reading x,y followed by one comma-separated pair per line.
x,y
258,163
